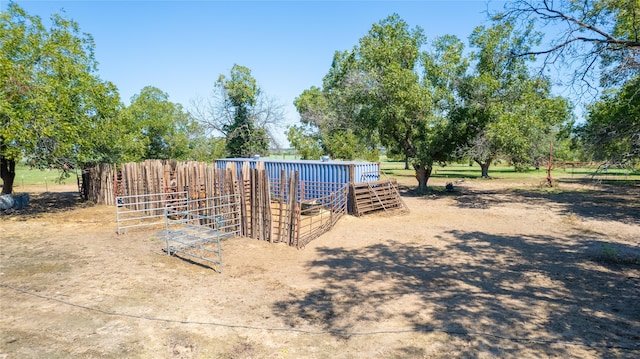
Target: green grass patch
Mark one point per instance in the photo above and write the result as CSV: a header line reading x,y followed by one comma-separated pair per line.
x,y
458,170
26,176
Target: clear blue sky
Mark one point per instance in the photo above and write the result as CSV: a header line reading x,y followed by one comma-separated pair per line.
x,y
182,47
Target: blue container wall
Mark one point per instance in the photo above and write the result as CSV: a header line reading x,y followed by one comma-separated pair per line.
x,y
316,171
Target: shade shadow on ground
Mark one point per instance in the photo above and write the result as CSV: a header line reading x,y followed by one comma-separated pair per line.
x,y
517,290
603,202
47,202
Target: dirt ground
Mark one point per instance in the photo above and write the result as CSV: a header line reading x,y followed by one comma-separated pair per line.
x,y
496,269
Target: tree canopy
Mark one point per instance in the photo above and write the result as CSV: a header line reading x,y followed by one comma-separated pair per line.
x,y
305,141
163,127
372,96
328,126
504,111
52,103
393,100
424,101
612,130
599,41
242,113
56,113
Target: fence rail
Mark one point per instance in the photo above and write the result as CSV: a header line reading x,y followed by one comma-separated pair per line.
x,y
145,210
375,196
197,229
319,215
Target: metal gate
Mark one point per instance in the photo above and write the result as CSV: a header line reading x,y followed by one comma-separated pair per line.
x,y
144,210
197,228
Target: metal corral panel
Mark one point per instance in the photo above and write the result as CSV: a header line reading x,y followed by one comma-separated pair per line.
x,y
317,171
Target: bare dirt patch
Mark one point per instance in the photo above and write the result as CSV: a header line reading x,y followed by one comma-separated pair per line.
x,y
495,269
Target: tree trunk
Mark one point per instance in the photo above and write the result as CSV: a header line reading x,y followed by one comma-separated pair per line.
x,y
8,174
406,162
422,174
85,177
485,168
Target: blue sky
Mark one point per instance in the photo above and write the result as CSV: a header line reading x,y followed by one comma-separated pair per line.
x,y
182,47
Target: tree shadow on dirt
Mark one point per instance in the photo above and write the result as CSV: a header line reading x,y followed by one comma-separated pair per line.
x,y
497,291
603,202
430,192
47,202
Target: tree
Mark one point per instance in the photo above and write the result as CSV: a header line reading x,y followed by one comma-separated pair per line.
x,y
445,68
612,130
329,113
393,100
204,148
387,92
304,141
387,95
163,127
52,104
315,108
600,41
586,34
503,110
316,116
114,137
242,113
413,113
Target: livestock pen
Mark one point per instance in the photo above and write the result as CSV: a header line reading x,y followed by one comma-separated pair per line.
x,y
282,209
